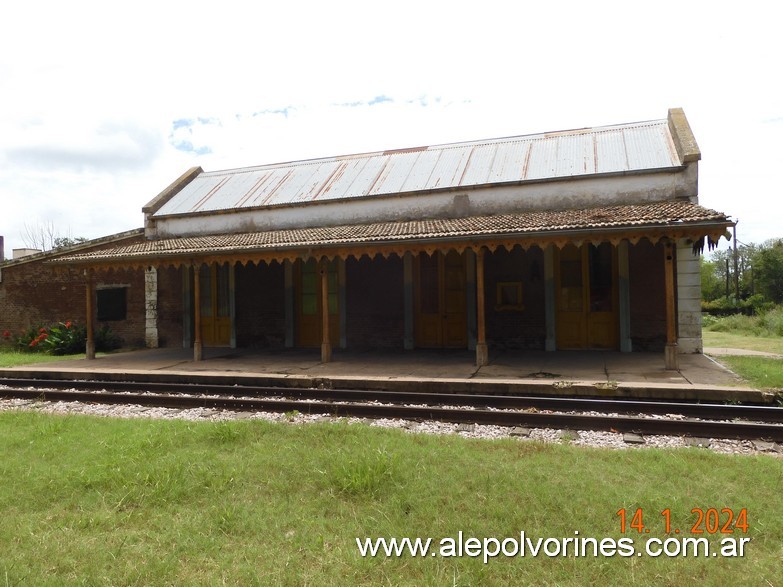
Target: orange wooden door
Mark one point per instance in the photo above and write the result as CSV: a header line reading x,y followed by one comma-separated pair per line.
x,y
441,319
587,297
310,302
215,305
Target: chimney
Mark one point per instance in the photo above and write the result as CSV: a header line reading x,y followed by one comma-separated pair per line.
x,y
19,253
2,250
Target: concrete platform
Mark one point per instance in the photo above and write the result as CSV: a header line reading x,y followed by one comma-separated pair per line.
x,y
578,373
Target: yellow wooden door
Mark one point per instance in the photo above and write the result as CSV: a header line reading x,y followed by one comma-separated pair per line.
x,y
455,331
215,305
440,301
571,314
310,302
587,297
603,297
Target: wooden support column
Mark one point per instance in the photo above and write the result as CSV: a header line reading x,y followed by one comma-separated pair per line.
x,y
90,324
408,300
482,353
670,355
326,344
197,348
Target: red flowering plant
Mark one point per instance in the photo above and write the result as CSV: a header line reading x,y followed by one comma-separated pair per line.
x,y
30,340
64,338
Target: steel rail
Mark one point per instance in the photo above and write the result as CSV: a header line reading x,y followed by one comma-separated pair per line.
x,y
497,401
678,427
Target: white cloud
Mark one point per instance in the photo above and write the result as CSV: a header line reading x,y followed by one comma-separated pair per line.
x,y
91,96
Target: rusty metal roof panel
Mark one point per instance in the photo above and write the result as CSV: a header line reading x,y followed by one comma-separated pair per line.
x,y
649,147
340,178
575,155
421,172
296,184
449,168
356,178
542,163
193,195
610,152
510,161
237,189
397,169
479,164
582,152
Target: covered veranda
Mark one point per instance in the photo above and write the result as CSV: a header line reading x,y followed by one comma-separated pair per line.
x,y
677,226
586,373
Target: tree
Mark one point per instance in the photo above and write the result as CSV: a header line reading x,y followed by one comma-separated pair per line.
x,y
768,270
45,236
722,280
67,241
712,280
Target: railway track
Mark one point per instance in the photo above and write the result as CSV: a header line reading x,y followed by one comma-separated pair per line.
x,y
746,422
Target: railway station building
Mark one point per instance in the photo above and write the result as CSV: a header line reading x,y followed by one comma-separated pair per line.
x,y
579,239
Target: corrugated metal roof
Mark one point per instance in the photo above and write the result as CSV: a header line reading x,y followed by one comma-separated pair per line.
x,y
611,149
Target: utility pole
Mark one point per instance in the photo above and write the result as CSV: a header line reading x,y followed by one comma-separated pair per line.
x,y
728,279
736,266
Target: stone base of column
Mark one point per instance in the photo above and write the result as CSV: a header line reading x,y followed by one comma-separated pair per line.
x,y
671,357
326,352
482,354
90,353
197,351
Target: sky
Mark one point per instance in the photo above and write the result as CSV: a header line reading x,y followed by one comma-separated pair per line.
x,y
103,105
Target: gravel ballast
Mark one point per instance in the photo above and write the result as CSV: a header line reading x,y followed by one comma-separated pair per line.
x,y
610,440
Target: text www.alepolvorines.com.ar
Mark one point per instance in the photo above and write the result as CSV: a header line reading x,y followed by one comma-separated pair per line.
x,y
576,546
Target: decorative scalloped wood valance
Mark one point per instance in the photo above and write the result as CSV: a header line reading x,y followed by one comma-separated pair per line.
x,y
430,246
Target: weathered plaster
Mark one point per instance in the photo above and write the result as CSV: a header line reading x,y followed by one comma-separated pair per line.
x,y
548,195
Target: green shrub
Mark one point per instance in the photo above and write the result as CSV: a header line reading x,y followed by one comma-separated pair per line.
x,y
708,320
755,304
767,323
735,323
65,338
772,321
106,340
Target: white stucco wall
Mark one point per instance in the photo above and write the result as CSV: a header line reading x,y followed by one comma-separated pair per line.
x,y
151,307
688,300
547,195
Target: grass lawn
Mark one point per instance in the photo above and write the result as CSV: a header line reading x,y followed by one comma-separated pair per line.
x,y
10,358
743,341
760,372
93,501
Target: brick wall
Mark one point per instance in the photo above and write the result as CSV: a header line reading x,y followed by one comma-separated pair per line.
x,y
510,328
375,303
647,296
170,307
131,329
260,312
34,292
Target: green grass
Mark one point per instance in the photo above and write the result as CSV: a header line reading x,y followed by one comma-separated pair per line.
x,y
11,358
760,372
767,324
93,501
735,340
